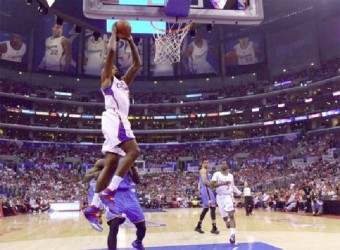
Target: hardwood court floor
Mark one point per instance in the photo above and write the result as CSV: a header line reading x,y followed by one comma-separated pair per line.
x,y
69,230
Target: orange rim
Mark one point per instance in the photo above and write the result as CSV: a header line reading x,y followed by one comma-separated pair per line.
x,y
172,31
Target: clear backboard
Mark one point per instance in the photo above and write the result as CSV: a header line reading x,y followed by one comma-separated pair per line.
x,y
201,11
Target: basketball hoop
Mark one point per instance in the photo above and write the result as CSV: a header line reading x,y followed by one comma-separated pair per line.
x,y
168,42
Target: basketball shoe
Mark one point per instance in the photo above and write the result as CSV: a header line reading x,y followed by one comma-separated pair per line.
x,y
91,216
214,231
232,239
137,245
107,197
198,229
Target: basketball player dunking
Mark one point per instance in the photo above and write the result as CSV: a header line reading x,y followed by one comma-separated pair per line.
x,y
208,199
126,202
119,138
58,51
225,189
13,50
197,53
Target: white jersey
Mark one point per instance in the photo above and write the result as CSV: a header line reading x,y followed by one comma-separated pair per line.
x,y
225,189
95,53
117,97
199,54
247,55
54,51
247,191
12,54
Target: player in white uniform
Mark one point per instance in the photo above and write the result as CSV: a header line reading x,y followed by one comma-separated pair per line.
x,y
13,50
119,138
225,189
197,53
246,51
58,51
94,56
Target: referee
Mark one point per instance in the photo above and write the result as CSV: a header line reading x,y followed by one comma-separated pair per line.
x,y
248,199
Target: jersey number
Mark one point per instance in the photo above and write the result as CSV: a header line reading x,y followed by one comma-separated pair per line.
x,y
54,52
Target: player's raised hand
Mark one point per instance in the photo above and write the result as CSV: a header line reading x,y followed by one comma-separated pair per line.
x,y
114,29
128,38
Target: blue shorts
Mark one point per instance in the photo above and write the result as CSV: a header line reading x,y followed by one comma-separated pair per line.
x,y
127,202
208,195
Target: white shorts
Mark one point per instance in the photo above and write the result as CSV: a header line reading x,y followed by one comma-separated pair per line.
x,y
116,130
225,204
202,68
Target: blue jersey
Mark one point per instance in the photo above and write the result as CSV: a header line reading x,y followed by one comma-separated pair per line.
x,y
126,202
207,195
92,188
126,183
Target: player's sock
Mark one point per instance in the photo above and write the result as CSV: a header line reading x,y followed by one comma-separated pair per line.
x,y
116,180
199,224
233,231
96,200
214,226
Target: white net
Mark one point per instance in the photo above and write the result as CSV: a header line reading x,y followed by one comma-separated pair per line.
x,y
168,43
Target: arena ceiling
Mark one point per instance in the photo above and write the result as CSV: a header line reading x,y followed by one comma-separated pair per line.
x,y
277,13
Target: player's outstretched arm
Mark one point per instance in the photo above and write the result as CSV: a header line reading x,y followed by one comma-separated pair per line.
x,y
235,189
134,68
107,72
134,175
203,173
90,175
67,52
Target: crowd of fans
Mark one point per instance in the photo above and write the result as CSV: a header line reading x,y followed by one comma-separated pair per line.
x,y
310,74
41,174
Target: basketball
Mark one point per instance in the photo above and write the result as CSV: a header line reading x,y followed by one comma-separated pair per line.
x,y
231,57
123,29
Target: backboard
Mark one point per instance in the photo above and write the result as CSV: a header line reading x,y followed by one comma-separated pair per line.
x,y
201,11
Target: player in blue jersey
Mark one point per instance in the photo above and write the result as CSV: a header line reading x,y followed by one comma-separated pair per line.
x,y
208,199
91,178
126,202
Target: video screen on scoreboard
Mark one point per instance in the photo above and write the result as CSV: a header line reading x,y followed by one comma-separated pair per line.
x,y
56,46
13,47
207,4
246,50
200,54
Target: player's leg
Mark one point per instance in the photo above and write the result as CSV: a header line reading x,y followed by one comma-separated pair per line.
x,y
205,205
227,210
221,199
118,134
214,229
232,227
198,228
112,237
93,211
111,162
135,214
115,219
140,233
132,151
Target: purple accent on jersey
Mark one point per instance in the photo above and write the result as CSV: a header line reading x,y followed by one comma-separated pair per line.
x,y
108,90
122,133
